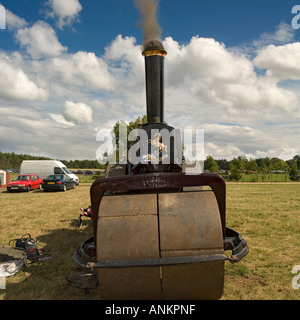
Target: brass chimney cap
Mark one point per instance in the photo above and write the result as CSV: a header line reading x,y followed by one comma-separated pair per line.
x,y
154,47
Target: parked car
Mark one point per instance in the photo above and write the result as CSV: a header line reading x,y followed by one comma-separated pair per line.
x,y
43,168
58,182
25,182
89,172
79,172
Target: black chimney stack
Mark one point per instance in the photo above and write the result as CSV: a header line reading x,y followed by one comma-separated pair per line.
x,y
154,54
165,156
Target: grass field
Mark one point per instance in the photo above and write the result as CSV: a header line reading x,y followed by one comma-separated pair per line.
x,y
267,216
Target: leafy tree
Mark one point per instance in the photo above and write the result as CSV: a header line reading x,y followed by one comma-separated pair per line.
x,y
129,127
251,165
235,174
293,172
297,160
266,164
211,164
259,163
223,164
238,164
278,165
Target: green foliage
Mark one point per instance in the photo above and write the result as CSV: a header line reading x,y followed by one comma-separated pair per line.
x,y
235,174
13,161
83,164
223,164
293,172
297,160
129,127
237,166
211,164
251,165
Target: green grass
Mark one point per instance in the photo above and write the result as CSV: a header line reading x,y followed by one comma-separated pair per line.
x,y
51,218
262,177
89,178
266,215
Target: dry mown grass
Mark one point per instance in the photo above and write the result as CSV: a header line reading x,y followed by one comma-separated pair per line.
x,y
51,218
266,215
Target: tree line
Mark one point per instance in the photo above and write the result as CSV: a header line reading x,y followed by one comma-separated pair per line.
x,y
13,161
241,165
233,168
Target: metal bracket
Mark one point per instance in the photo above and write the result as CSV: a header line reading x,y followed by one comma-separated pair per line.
x,y
233,242
157,261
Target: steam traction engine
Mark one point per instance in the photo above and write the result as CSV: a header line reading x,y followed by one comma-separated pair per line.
x,y
158,234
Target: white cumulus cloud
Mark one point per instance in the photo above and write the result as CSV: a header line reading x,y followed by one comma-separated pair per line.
x,y
205,68
66,11
40,41
283,34
14,22
281,62
82,69
16,85
78,113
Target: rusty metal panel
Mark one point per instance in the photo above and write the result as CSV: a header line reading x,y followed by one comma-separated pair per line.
x,y
129,237
122,205
139,283
189,221
193,281
190,225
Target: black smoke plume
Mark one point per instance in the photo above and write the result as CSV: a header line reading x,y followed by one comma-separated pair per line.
x,y
148,24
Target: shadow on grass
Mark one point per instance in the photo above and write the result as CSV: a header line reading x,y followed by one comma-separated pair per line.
x,y
46,280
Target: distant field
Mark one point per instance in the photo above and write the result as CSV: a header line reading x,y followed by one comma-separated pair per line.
x,y
263,177
267,216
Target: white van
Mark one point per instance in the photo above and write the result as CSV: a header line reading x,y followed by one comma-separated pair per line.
x,y
43,168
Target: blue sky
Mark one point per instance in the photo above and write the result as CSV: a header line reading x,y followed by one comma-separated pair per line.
x,y
70,68
232,22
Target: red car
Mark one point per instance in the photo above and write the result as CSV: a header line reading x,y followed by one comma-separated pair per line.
x,y
25,182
